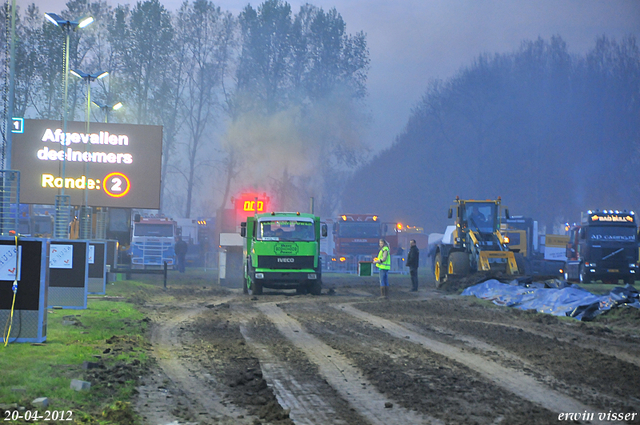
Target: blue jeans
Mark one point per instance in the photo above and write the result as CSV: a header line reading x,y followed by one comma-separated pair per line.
x,y
384,277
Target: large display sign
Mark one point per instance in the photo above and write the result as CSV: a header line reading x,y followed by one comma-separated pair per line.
x,y
119,165
250,203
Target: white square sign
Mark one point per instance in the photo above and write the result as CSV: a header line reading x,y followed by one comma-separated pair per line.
x,y
92,253
9,262
60,256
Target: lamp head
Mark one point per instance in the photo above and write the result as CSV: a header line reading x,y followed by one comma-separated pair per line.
x,y
78,73
58,21
85,21
89,77
55,19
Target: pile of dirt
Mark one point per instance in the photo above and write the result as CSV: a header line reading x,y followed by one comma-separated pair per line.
x,y
106,372
457,284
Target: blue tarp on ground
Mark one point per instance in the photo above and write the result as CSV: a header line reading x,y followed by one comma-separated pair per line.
x,y
554,297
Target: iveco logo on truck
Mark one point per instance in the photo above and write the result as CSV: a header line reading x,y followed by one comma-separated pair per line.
x,y
286,260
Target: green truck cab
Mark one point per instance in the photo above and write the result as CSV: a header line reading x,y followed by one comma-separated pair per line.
x,y
281,250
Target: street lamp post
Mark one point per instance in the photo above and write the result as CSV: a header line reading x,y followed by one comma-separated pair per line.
x,y
106,108
85,211
63,203
101,214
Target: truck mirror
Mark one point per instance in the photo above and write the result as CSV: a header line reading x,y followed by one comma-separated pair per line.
x,y
136,218
243,229
582,234
324,230
450,213
506,214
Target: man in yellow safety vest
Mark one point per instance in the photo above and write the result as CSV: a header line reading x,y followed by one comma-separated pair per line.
x,y
383,261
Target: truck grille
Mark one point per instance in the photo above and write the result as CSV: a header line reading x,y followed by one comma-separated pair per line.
x,y
285,262
606,255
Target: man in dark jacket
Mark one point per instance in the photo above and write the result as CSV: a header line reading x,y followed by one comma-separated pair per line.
x,y
413,258
181,249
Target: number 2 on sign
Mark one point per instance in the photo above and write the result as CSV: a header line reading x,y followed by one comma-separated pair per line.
x,y
117,185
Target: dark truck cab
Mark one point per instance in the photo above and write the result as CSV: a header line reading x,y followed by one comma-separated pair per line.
x,y
604,246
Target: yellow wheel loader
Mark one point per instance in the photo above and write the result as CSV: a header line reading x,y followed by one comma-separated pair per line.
x,y
474,243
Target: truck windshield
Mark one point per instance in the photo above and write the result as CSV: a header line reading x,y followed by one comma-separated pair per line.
x,y
480,217
611,233
354,229
286,230
155,230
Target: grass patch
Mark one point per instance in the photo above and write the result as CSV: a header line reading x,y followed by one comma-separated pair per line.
x,y
108,334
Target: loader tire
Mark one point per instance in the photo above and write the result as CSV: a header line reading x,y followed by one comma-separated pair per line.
x,y
459,264
440,271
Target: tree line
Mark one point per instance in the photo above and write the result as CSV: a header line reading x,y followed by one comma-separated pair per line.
x,y
259,101
552,133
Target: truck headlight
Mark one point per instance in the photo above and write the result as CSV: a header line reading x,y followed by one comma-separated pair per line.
x,y
312,276
633,265
259,275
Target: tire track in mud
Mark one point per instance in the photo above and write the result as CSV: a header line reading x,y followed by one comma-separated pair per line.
x,y
195,387
598,344
304,404
341,375
514,381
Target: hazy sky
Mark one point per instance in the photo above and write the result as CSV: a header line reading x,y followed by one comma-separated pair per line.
x,y
414,41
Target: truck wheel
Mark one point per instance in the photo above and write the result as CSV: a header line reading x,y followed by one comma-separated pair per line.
x,y
459,264
440,271
566,274
256,288
301,290
630,279
584,276
315,288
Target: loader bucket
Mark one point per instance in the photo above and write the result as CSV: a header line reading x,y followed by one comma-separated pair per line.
x,y
485,263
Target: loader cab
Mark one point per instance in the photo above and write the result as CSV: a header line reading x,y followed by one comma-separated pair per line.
x,y
479,217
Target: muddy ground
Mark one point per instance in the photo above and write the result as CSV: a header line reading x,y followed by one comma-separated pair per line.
x,y
350,357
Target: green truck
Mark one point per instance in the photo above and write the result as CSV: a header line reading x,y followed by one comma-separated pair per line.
x,y
281,250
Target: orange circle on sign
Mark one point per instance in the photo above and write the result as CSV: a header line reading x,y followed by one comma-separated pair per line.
x,y
113,195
